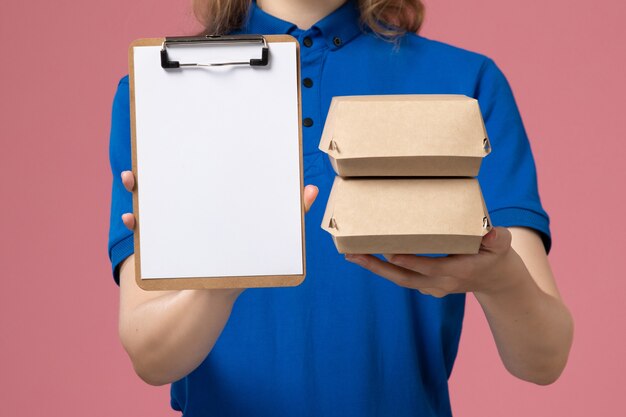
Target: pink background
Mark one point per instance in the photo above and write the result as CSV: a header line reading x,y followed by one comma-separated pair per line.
x,y
59,351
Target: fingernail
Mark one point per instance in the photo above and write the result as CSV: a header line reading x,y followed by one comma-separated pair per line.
x,y
359,260
396,260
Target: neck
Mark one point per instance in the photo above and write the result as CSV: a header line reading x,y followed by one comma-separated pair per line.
x,y
302,13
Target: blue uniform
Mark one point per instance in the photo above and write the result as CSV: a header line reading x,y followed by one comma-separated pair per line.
x,y
347,342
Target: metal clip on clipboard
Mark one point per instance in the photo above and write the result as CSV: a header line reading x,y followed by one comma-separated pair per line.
x,y
214,40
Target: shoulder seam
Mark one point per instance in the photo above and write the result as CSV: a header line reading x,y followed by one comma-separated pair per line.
x,y
480,74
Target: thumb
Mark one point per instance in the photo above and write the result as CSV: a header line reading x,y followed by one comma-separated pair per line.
x,y
310,193
497,240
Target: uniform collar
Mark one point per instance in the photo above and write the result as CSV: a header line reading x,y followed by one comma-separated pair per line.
x,y
338,28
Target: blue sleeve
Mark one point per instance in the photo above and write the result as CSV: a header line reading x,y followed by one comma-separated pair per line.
x,y
120,238
508,176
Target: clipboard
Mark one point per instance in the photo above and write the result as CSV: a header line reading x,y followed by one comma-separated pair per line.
x,y
217,158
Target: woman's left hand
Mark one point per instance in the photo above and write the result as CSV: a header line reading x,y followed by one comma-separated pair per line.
x,y
486,272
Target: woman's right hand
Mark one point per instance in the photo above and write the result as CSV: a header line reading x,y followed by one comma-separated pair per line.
x,y
128,179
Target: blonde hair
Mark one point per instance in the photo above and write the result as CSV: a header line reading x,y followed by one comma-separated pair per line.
x,y
387,18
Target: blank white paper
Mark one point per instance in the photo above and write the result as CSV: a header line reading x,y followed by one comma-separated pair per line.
x,y
218,163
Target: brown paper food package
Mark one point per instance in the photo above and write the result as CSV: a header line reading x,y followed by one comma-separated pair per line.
x,y
414,216
405,135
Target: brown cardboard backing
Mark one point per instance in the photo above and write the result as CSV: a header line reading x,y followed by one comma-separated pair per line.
x,y
210,282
